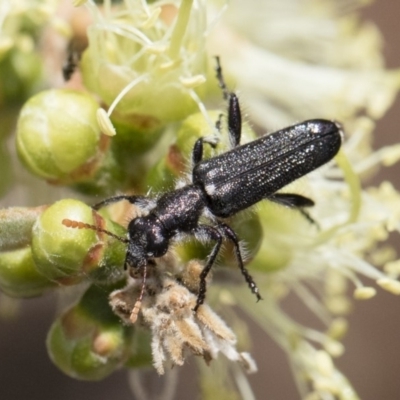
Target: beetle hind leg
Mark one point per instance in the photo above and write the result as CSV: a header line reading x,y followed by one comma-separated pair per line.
x,y
297,202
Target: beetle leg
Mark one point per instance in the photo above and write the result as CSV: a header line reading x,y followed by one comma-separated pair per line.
x,y
210,233
197,153
234,120
296,201
141,201
230,234
234,113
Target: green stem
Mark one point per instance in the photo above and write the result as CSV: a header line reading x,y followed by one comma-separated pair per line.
x,y
16,226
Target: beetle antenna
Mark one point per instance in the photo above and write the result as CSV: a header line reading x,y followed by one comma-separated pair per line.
x,y
82,225
221,82
136,308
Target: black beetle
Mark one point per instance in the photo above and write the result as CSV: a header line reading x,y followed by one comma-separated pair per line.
x,y
226,184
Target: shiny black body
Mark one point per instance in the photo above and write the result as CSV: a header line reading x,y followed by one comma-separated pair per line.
x,y
250,173
226,184
71,64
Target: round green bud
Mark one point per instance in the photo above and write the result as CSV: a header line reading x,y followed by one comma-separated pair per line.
x,y
19,276
58,137
62,253
65,249
135,134
88,341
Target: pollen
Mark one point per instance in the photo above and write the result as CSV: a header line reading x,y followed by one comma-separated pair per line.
x,y
390,285
193,81
364,293
105,123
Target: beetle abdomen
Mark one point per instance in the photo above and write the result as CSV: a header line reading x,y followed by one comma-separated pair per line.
x,y
237,179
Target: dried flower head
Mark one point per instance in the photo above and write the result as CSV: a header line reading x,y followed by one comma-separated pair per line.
x,y
177,332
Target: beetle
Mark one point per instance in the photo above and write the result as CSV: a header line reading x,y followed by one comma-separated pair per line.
x,y
224,185
74,53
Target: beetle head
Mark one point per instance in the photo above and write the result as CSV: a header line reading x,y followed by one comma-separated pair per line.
x,y
146,240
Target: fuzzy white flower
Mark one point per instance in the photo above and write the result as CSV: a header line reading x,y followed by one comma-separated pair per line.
x,y
167,311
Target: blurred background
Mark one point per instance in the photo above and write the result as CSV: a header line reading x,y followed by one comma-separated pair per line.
x,y
372,357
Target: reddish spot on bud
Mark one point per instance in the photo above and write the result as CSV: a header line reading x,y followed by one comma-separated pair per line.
x,y
175,160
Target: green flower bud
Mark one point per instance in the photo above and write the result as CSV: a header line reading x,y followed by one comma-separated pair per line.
x,y
58,137
88,341
135,135
19,276
67,255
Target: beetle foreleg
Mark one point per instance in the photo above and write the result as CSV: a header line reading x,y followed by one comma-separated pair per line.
x,y
136,200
